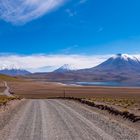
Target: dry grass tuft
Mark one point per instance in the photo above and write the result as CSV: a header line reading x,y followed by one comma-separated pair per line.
x,y
4,99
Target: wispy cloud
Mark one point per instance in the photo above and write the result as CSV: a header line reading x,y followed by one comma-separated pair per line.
x,y
22,11
69,49
35,62
71,12
82,1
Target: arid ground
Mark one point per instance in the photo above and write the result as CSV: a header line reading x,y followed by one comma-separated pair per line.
x,y
37,117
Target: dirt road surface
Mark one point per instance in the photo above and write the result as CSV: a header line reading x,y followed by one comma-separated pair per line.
x,y
61,120
6,91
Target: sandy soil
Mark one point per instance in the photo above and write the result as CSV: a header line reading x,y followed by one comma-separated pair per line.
x,y
33,89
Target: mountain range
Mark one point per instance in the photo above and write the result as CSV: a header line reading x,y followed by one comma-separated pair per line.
x,y
14,72
120,67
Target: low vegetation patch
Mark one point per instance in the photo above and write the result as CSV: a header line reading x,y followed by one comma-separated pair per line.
x,y
123,102
4,99
8,78
125,114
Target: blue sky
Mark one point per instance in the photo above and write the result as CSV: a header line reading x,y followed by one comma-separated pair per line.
x,y
94,26
69,27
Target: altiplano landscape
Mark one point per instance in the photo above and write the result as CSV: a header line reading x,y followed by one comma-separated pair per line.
x,y
57,109
69,70
41,108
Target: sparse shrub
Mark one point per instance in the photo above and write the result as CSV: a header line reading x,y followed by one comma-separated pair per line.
x,y
5,99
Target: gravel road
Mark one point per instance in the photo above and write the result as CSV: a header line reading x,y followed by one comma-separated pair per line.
x,y
7,90
61,120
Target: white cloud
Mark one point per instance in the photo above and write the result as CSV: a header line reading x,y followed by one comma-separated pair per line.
x,y
22,11
35,62
39,63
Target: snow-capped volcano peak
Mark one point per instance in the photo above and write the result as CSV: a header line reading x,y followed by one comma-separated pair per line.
x,y
120,62
12,70
9,67
125,57
68,67
122,56
65,68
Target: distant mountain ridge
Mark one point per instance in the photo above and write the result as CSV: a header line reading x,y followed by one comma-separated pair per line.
x,y
120,67
65,68
14,72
